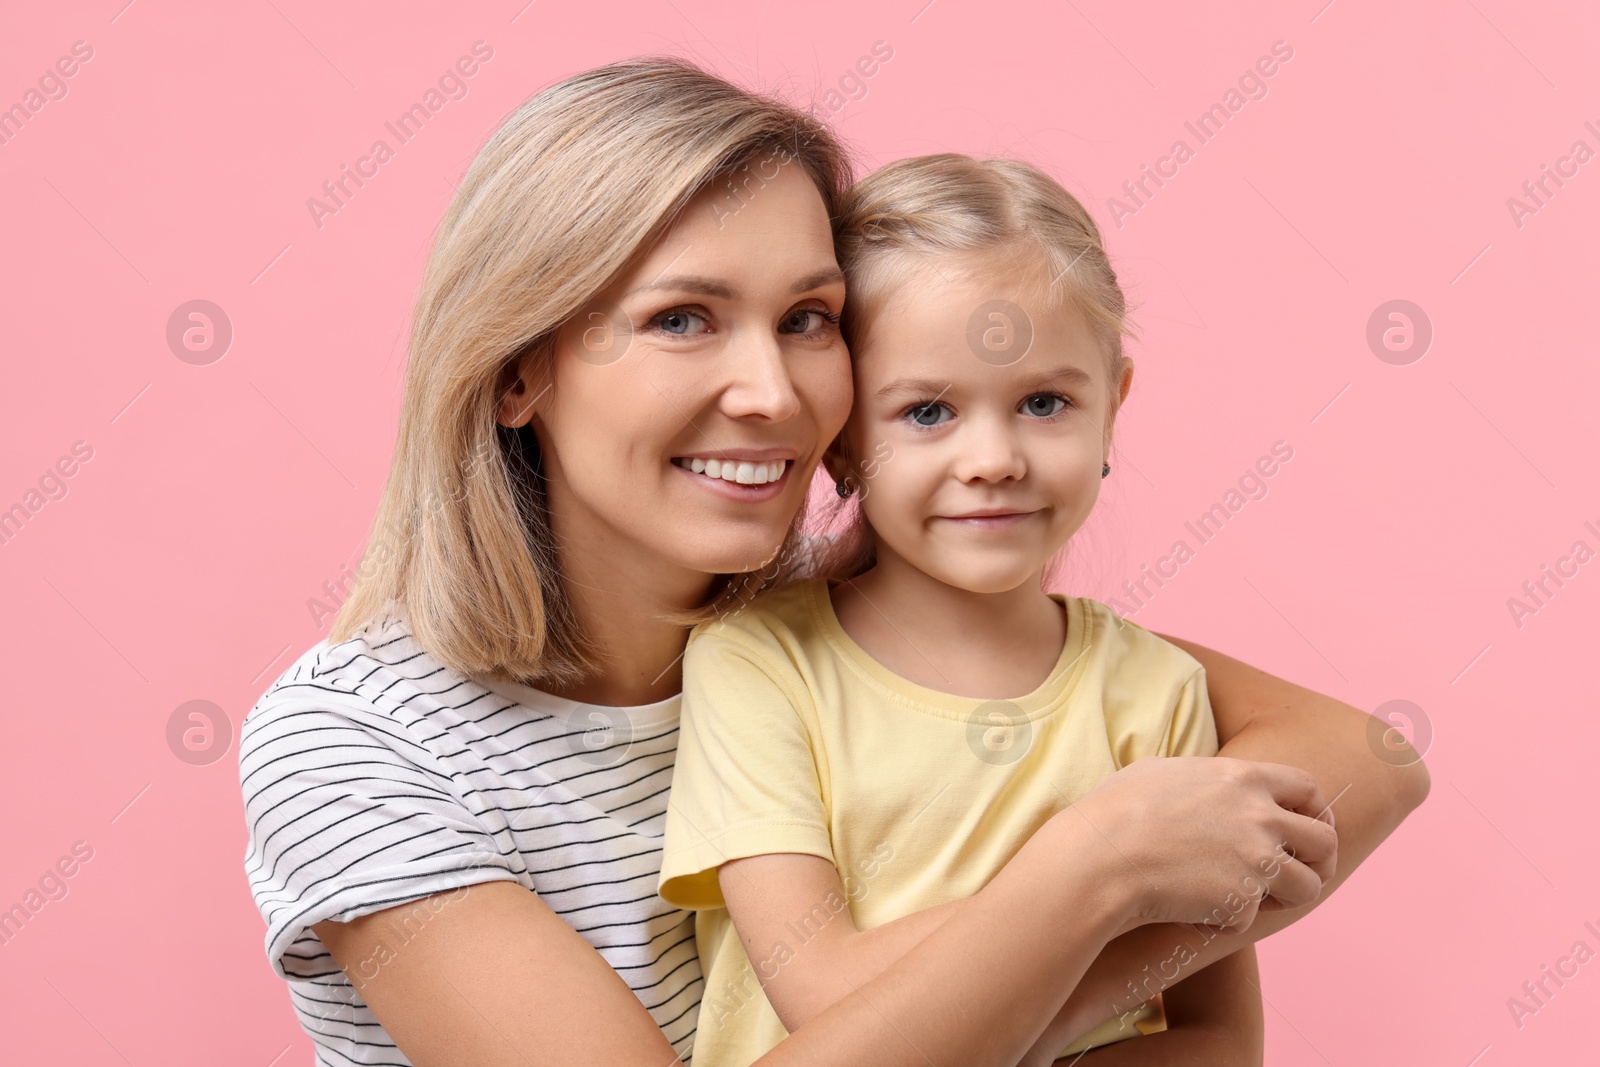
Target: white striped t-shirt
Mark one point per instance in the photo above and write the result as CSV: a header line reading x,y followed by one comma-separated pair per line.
x,y
374,776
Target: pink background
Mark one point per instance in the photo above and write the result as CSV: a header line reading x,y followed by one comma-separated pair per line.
x,y
1419,498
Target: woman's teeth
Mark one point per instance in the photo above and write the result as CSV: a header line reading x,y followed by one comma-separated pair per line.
x,y
735,471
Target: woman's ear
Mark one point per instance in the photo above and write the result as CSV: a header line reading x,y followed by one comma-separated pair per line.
x,y
835,461
520,391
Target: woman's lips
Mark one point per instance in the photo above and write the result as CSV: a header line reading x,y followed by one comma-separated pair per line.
x,y
735,479
739,470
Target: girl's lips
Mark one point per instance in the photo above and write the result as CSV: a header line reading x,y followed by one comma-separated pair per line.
x,y
990,522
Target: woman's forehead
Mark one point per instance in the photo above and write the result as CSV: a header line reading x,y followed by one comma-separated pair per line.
x,y
781,218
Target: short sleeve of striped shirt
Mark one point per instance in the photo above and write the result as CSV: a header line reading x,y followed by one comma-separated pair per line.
x,y
347,816
374,776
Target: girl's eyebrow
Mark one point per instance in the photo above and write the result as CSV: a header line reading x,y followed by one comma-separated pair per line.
x,y
704,286
912,385
1063,375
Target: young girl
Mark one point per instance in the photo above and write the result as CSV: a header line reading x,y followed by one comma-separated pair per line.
x,y
862,749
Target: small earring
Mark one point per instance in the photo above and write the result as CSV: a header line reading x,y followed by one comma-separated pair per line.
x,y
1105,470
843,488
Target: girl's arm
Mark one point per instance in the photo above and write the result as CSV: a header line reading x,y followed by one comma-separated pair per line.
x,y
764,893
1213,1019
1263,717
496,979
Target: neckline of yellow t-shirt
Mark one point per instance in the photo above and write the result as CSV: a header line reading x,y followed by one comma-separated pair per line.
x,y
1050,694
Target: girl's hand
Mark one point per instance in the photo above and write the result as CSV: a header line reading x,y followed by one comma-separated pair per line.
x,y
1212,840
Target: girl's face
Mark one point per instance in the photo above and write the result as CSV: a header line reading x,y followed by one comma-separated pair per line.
x,y
976,458
683,415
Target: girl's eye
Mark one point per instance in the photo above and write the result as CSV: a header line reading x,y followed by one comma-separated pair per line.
x,y
678,321
927,414
815,317
1044,405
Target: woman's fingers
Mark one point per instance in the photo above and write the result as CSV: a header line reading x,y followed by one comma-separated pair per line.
x,y
1237,836
1309,850
1291,787
1304,861
1314,843
1292,885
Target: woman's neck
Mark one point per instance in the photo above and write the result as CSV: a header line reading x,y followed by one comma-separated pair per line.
x,y
616,590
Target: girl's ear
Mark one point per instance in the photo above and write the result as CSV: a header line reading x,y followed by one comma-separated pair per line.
x,y
519,392
1122,395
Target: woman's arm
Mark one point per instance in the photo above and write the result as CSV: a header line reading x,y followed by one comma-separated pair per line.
x,y
1214,1019
1262,717
494,978
497,979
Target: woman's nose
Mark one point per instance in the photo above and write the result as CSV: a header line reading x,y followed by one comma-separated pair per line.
x,y
758,381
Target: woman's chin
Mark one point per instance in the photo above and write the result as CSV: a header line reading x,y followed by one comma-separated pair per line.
x,y
736,551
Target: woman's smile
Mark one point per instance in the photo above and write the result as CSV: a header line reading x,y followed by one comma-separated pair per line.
x,y
738,476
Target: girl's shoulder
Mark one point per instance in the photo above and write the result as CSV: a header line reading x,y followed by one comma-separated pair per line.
x,y
1126,645
783,622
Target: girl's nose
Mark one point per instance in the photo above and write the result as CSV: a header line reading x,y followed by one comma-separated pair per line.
x,y
988,450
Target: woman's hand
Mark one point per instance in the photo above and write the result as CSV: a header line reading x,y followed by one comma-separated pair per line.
x,y
1213,840
1209,841
1261,717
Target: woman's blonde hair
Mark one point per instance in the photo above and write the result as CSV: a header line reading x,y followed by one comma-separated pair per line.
x,y
579,180
960,215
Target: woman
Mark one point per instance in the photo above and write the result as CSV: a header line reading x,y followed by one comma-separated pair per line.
x,y
638,270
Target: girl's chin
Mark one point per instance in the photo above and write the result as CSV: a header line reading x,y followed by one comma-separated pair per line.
x,y
984,576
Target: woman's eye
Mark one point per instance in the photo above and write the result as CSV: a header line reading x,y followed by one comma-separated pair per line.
x,y
678,321
1043,405
808,320
927,414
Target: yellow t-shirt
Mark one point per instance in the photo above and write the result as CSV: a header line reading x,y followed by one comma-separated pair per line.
x,y
794,739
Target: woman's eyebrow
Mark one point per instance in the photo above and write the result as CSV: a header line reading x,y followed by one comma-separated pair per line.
x,y
704,286
688,283
817,279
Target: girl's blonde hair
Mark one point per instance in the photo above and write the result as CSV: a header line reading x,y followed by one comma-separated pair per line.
x,y
578,181
959,215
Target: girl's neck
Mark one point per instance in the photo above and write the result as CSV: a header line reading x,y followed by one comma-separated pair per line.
x,y
992,646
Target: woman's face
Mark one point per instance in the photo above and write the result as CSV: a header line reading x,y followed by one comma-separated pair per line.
x,y
684,413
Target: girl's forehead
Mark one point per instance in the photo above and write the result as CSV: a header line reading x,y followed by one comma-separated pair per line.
x,y
972,333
